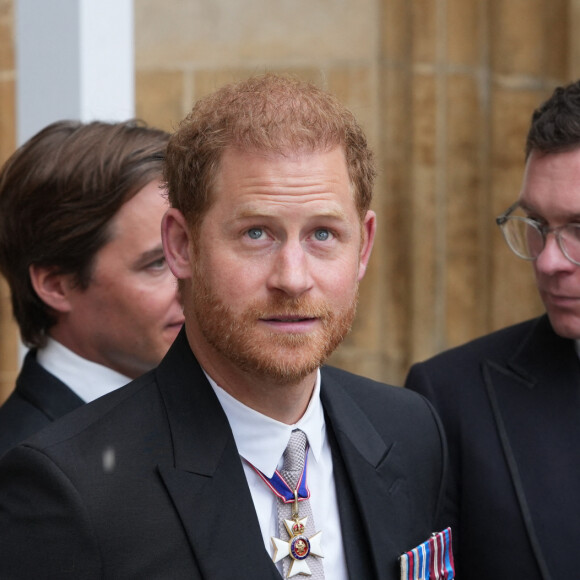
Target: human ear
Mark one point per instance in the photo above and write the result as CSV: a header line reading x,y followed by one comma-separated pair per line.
x,y
369,227
51,286
176,238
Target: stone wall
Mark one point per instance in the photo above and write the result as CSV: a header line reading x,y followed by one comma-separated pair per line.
x,y
444,88
8,330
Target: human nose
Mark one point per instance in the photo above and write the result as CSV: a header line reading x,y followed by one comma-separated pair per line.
x,y
291,272
552,258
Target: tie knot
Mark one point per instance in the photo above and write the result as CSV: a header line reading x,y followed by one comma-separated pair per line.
x,y
294,457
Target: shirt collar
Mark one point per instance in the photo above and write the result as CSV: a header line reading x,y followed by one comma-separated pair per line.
x,y
260,439
87,379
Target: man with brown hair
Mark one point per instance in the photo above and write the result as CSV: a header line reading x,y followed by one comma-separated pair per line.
x,y
241,455
80,246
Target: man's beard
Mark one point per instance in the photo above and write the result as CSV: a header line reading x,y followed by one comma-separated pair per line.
x,y
283,358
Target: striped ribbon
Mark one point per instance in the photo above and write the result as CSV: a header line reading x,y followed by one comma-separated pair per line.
x,y
431,560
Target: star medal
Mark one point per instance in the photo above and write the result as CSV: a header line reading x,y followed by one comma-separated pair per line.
x,y
299,546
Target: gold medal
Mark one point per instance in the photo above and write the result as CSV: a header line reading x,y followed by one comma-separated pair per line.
x,y
299,546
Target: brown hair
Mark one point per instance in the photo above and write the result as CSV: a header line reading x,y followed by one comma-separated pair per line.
x,y
58,193
555,124
269,113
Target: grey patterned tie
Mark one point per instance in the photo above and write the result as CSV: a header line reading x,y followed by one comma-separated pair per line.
x,y
301,541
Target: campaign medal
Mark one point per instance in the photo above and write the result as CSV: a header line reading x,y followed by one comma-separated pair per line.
x,y
299,546
431,560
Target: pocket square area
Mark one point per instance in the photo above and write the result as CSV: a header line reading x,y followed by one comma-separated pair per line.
x,y
431,560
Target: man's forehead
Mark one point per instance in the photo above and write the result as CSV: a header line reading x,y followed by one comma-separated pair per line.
x,y
265,210
562,161
297,171
281,152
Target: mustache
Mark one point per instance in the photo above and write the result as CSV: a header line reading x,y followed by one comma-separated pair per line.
x,y
287,307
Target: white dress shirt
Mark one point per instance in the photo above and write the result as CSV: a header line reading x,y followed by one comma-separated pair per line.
x,y
261,441
86,379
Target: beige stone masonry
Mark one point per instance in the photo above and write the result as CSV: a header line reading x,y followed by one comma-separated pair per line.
x,y
444,89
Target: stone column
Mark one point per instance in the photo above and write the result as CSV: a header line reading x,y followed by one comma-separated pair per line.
x,y
460,79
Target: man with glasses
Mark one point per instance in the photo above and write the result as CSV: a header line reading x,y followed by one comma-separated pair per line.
x,y
510,401
527,236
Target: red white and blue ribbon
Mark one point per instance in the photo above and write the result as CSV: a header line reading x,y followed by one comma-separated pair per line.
x,y
279,486
431,560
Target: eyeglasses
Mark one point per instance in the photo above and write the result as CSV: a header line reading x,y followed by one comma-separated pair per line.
x,y
527,237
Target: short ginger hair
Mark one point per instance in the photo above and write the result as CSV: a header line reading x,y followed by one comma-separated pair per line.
x,y
267,114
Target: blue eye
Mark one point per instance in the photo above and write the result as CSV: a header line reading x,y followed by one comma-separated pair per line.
x,y
157,264
322,235
255,233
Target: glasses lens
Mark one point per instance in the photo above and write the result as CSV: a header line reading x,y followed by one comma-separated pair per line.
x,y
570,240
524,238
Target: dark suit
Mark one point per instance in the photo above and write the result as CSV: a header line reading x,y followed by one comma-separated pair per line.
x,y
147,482
510,404
38,399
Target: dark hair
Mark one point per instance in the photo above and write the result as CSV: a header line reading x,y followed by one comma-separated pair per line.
x,y
270,113
555,125
58,193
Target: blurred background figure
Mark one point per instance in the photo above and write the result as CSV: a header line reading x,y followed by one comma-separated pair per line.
x,y
80,247
510,401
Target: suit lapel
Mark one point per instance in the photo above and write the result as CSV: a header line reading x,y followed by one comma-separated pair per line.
x,y
206,482
358,556
542,346
44,391
366,471
539,382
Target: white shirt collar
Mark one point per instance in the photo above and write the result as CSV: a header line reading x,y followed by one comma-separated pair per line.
x,y
85,378
260,439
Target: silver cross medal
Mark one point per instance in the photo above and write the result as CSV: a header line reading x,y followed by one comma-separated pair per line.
x,y
299,546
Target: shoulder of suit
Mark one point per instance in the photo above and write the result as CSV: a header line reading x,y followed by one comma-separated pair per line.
x,y
120,401
497,344
365,389
348,379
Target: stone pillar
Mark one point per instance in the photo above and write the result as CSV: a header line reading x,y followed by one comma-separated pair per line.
x,y
74,61
460,79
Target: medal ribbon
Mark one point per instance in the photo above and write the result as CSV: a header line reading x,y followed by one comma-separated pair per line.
x,y
279,486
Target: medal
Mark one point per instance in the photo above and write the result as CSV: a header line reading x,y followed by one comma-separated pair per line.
x,y
299,546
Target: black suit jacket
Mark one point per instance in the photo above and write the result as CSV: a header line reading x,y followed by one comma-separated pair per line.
x,y
510,404
38,399
147,482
